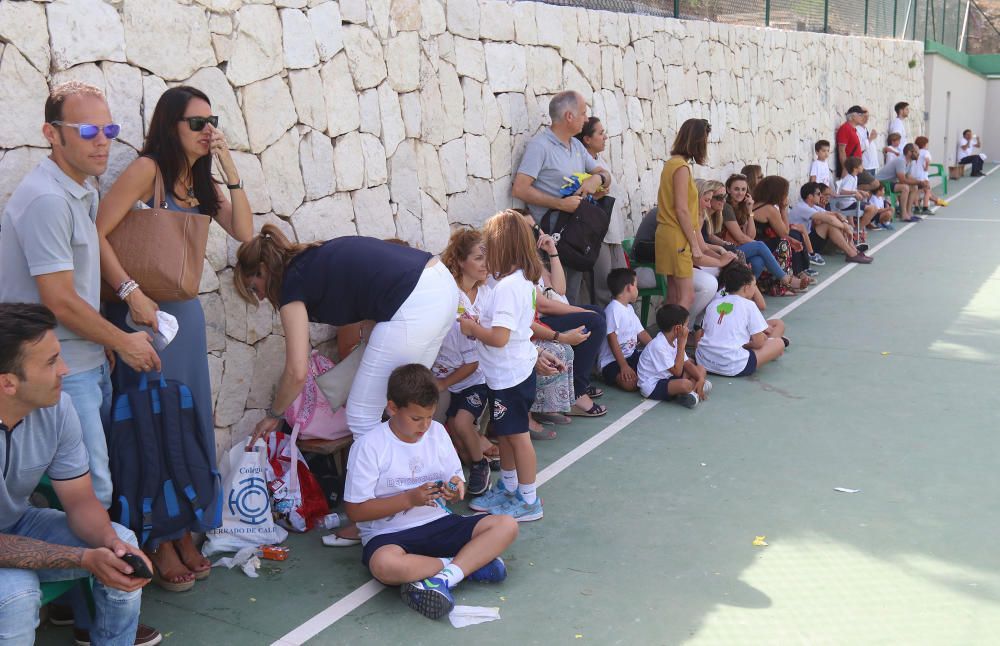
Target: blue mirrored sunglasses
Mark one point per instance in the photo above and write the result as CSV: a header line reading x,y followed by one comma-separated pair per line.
x,y
89,130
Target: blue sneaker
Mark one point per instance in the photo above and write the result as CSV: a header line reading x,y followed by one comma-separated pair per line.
x,y
520,510
888,226
496,496
817,259
430,597
493,572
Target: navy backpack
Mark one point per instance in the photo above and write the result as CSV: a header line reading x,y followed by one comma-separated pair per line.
x,y
164,475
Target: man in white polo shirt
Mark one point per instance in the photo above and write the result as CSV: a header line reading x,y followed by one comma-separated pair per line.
x,y
41,436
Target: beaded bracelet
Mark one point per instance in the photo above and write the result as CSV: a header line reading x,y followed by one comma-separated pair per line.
x,y
127,288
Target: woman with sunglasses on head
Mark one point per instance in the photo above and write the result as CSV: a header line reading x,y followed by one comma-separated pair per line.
x,y
180,142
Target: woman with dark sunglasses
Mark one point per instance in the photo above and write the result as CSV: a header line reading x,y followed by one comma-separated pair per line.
x,y
181,141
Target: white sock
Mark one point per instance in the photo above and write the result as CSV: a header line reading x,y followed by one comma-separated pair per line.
x,y
509,479
451,574
445,562
527,492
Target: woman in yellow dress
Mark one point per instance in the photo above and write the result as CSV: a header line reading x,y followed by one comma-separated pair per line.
x,y
677,241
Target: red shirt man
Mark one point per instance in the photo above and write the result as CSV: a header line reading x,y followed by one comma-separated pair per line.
x,y
848,143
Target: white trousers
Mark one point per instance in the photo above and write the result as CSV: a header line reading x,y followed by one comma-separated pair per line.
x,y
413,335
705,288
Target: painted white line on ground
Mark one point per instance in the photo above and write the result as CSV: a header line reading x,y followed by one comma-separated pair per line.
x,y
944,218
326,618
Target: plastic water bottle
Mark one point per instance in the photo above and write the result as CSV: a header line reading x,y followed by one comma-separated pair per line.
x,y
334,520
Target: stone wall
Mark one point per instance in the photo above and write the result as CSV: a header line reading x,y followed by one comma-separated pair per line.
x,y
405,117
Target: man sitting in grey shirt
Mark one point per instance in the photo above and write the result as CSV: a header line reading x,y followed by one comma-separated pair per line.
x,y
42,435
552,155
908,188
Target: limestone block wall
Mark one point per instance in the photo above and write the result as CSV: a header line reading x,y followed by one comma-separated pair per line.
x,y
406,117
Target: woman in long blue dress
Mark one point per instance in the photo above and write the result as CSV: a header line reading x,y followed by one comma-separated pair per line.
x,y
180,143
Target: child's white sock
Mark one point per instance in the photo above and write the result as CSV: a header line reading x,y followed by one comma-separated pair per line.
x,y
451,574
509,479
445,562
527,492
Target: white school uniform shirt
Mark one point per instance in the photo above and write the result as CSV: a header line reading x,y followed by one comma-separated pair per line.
x,y
458,350
510,303
655,363
869,151
892,153
877,201
897,125
847,183
382,465
623,321
721,348
821,169
918,168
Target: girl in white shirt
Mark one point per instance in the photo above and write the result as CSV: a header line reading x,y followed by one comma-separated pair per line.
x,y
737,339
892,148
507,357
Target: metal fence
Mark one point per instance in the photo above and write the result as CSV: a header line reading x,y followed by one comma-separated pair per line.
x,y
964,25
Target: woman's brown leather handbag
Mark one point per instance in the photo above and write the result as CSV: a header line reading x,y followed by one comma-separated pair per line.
x,y
162,250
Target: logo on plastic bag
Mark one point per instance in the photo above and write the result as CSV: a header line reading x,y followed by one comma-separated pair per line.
x,y
248,500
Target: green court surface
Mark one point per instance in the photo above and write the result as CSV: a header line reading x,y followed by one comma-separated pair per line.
x,y
888,388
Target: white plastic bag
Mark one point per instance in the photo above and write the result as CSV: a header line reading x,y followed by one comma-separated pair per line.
x,y
246,505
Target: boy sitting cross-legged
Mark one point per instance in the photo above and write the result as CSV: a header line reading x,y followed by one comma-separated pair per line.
x,y
665,372
398,477
620,352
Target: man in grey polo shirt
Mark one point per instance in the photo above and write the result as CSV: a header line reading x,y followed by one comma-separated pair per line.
x,y
41,435
897,171
552,155
49,254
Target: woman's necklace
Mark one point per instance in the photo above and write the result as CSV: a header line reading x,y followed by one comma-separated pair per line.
x,y
190,200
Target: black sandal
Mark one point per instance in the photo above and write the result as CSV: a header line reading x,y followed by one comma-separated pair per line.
x,y
594,392
595,411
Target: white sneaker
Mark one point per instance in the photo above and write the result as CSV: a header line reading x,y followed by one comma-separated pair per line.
x,y
332,540
689,400
707,387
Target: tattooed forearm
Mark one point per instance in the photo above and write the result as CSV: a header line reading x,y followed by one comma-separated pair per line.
x,y
30,554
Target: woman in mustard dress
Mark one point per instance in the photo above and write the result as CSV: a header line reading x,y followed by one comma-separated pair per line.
x,y
677,241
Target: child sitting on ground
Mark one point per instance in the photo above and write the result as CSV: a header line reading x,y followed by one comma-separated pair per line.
x,y
737,339
883,209
620,351
397,476
665,372
820,169
457,364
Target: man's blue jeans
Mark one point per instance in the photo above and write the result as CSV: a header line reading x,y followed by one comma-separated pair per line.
x,y
90,391
20,594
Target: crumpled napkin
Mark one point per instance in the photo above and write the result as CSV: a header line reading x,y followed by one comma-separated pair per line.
x,y
168,328
246,558
462,616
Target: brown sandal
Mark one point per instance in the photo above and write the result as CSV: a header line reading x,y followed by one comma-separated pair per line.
x,y
167,578
204,568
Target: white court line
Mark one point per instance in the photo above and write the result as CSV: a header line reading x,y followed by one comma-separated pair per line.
x,y
945,218
326,618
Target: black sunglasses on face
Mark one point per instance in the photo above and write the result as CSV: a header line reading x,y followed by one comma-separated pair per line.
x,y
718,198
198,123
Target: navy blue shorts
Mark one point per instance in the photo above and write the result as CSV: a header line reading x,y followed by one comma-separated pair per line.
x,y
472,399
751,366
610,372
511,407
443,537
660,390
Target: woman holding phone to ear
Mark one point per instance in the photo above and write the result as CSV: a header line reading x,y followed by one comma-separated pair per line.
x,y
181,140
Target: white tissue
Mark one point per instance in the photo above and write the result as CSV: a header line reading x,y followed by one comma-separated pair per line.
x,y
246,558
462,616
168,328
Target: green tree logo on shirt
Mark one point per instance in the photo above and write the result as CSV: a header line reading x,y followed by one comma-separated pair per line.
x,y
722,309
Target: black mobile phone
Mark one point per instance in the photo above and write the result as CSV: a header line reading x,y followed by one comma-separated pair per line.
x,y
139,568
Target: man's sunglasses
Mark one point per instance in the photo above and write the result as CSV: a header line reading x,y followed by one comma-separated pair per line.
x,y
198,123
89,130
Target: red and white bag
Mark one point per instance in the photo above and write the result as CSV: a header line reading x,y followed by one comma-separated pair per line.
x,y
297,500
